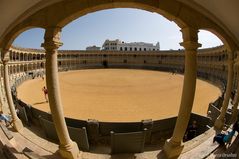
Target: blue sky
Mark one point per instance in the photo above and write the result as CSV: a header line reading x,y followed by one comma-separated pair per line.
x,y
129,25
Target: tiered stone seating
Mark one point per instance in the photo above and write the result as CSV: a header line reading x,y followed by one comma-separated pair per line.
x,y
32,155
6,132
7,152
14,148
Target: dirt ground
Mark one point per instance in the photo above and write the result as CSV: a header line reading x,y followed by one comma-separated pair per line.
x,y
119,95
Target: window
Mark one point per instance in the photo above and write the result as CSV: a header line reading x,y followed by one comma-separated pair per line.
x,y
135,49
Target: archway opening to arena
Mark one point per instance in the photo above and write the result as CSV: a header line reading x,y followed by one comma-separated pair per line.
x,y
134,87
117,95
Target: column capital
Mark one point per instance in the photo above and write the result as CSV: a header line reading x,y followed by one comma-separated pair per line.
x,y
5,56
190,38
5,59
189,34
52,38
190,45
5,62
236,60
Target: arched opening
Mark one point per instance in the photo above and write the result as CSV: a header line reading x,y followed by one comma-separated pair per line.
x,y
216,73
31,38
220,71
123,58
88,57
208,39
30,57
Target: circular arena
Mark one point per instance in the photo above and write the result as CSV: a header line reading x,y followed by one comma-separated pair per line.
x,y
106,94
119,95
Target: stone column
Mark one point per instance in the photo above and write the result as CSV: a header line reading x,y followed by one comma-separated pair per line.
x,y
219,123
67,148
17,123
236,101
173,146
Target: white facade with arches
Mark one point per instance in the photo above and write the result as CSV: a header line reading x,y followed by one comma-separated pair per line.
x,y
118,45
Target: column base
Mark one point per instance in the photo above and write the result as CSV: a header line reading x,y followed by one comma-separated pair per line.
x,y
171,149
70,151
17,124
219,123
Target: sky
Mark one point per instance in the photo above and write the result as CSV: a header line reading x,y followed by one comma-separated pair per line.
x,y
129,25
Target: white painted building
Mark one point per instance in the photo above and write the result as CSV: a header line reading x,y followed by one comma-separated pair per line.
x,y
113,45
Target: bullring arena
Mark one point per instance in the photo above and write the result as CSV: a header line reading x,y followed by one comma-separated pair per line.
x,y
104,92
119,95
119,104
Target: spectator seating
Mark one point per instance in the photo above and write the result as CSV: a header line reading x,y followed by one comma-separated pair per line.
x,y
7,153
31,155
6,131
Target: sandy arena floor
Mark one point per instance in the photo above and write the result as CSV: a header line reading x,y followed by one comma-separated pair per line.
x,y
119,94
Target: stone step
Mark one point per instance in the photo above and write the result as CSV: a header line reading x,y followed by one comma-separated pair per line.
x,y
6,131
31,155
8,153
